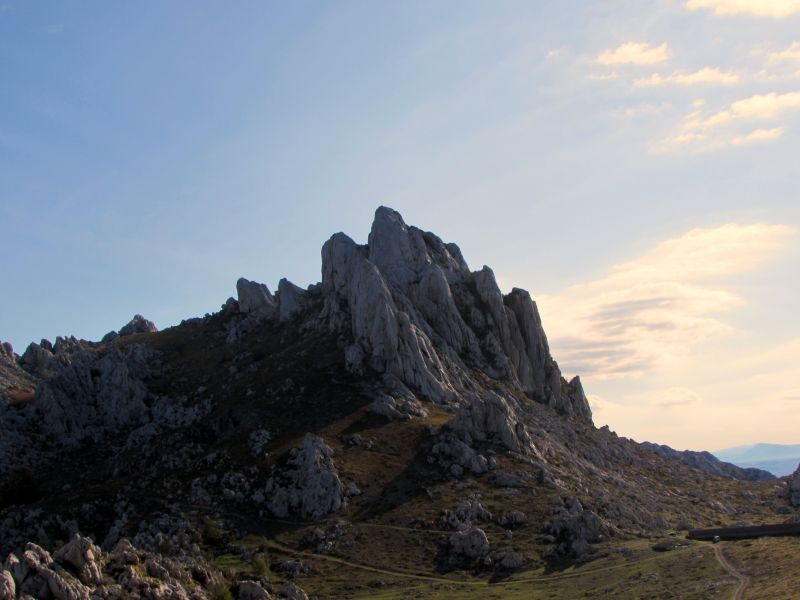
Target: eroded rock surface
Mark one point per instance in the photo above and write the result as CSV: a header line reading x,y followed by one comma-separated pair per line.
x,y
308,486
255,298
469,543
138,324
574,528
418,314
34,573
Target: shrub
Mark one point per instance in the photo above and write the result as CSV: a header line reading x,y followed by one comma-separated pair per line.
x,y
219,591
260,566
212,533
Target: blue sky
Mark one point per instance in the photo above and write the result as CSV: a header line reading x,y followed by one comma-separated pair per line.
x,y
596,153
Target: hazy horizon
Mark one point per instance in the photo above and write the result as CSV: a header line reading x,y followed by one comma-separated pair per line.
x,y
632,166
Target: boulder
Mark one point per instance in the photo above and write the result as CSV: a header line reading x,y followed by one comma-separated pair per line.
x,y
308,486
83,556
252,590
574,528
8,589
469,543
511,519
292,591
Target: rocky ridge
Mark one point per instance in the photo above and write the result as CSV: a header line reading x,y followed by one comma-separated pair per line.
x,y
401,382
705,461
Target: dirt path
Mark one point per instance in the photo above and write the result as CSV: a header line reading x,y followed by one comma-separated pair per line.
x,y
416,576
744,580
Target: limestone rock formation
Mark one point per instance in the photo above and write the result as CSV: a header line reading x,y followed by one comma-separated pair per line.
x,y
138,324
308,486
252,590
574,528
468,512
16,384
469,543
34,573
83,556
85,393
417,314
291,299
255,298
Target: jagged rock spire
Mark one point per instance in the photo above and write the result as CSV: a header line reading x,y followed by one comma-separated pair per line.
x,y
418,315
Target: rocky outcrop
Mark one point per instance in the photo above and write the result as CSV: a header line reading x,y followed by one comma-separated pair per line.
x,y
308,486
489,417
83,556
252,590
291,299
794,488
468,543
16,384
255,298
85,394
292,591
705,461
138,324
8,589
125,572
574,529
88,393
417,314
469,512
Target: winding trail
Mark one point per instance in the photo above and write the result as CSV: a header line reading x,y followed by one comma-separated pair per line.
x,y
469,583
744,580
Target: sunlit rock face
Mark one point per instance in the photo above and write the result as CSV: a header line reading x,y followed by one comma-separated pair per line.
x,y
420,317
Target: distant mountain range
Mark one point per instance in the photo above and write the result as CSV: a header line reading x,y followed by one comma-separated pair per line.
x,y
778,459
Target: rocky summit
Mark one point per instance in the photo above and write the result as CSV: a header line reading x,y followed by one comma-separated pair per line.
x,y
399,429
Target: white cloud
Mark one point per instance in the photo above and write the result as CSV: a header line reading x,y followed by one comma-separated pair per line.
x,y
651,310
759,8
634,53
759,135
643,110
724,127
792,53
604,76
760,106
704,76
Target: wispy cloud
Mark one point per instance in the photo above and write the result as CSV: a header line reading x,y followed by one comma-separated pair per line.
x,y
675,397
604,76
791,53
758,8
724,127
634,53
705,76
643,110
759,135
649,310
